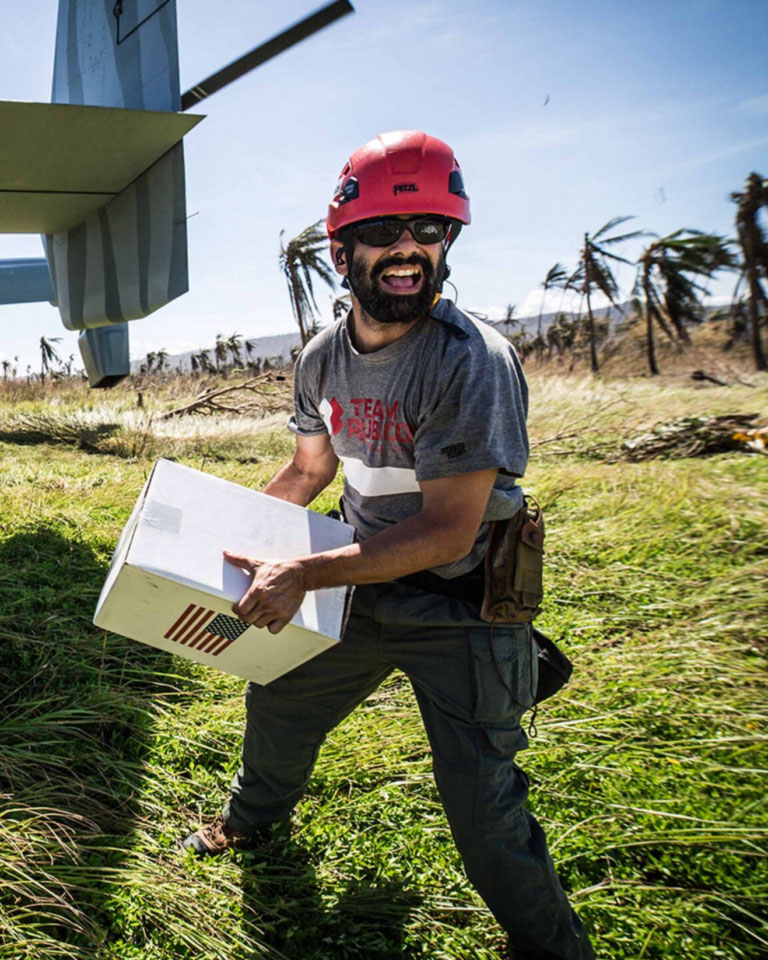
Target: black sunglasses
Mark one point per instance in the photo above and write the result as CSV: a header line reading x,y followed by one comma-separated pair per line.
x,y
382,233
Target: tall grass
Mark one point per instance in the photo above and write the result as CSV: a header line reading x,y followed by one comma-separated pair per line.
x,y
647,770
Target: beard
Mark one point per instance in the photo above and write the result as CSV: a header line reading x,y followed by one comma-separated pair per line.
x,y
387,307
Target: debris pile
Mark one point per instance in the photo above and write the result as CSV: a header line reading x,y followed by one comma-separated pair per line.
x,y
79,430
264,394
698,437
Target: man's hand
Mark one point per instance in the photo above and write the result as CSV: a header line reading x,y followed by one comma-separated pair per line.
x,y
275,593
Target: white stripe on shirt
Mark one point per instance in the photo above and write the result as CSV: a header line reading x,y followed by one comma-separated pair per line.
x,y
379,481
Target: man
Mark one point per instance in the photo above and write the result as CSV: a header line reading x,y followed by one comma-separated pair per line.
x,y
425,409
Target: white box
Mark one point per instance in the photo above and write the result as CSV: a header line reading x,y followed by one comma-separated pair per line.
x,y
170,587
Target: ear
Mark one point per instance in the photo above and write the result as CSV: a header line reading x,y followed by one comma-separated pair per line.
x,y
339,258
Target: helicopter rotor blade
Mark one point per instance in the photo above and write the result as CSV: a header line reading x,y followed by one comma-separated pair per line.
x,y
265,51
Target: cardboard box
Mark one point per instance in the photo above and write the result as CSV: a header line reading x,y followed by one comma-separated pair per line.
x,y
170,587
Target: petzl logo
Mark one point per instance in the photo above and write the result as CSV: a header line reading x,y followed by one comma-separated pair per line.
x,y
332,413
405,188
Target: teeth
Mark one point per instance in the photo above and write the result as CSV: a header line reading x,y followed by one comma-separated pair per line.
x,y
402,273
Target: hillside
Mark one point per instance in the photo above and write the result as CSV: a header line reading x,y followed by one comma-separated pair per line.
x,y
275,349
623,350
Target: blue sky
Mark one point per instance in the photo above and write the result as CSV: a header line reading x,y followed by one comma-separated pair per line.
x,y
656,108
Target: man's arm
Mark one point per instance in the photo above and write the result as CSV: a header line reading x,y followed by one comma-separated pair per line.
x,y
310,471
442,532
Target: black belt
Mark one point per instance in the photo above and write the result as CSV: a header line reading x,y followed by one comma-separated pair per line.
x,y
469,586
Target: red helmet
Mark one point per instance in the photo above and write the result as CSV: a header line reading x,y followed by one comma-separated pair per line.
x,y
405,171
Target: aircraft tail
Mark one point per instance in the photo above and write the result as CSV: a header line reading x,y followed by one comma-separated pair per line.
x,y
130,257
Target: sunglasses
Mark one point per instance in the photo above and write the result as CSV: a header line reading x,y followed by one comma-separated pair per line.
x,y
382,233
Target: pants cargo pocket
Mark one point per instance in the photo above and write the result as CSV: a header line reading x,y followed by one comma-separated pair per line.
x,y
501,786
503,674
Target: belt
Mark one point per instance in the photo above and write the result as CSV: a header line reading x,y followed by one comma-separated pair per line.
x,y
468,586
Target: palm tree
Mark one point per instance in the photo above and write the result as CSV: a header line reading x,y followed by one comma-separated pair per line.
x,y
254,365
220,351
235,346
204,358
510,321
754,245
668,272
150,361
48,355
522,343
6,368
200,362
561,335
594,272
299,259
556,278
161,357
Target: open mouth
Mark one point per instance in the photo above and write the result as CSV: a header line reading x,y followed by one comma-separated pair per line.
x,y
407,279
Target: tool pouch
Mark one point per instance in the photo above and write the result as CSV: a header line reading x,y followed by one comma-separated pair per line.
x,y
555,668
514,567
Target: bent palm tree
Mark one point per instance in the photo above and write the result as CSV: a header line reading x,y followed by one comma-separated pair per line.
x,y
754,244
253,364
48,355
299,259
235,346
556,278
204,362
510,321
668,274
562,334
220,352
162,358
594,273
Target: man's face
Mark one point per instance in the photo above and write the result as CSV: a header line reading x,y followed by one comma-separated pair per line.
x,y
396,284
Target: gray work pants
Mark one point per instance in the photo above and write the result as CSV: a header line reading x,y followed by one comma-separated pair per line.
x,y
472,685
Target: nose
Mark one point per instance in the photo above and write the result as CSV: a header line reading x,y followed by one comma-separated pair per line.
x,y
405,242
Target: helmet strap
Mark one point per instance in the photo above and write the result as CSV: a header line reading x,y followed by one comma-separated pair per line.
x,y
449,241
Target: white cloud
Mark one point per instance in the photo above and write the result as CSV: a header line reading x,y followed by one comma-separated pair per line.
x,y
717,154
754,105
554,302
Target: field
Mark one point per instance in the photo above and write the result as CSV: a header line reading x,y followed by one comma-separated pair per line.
x,y
647,771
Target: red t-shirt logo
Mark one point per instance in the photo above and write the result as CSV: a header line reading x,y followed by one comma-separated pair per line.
x,y
336,416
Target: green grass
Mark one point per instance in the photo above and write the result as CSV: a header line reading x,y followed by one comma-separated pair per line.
x,y
647,770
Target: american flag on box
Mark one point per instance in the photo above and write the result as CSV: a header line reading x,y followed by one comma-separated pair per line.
x,y
205,630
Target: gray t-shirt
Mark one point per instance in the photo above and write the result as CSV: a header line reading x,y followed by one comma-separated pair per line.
x,y
447,398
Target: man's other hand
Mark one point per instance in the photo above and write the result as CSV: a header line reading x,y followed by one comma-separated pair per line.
x,y
275,593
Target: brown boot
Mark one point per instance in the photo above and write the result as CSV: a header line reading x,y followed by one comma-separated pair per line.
x,y
214,838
